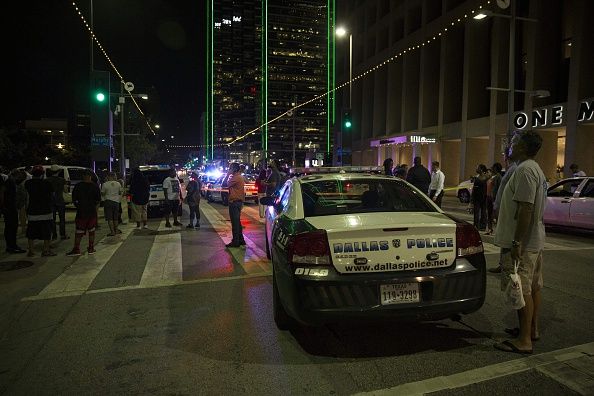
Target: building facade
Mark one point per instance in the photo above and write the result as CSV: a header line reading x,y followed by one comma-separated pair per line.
x,y
264,58
445,95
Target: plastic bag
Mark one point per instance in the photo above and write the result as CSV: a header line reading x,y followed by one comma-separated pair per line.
x,y
513,290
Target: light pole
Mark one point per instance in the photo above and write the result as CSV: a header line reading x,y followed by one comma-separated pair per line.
x,y
511,91
341,32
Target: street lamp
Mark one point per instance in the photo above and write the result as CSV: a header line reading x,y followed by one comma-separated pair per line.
x,y
512,56
341,32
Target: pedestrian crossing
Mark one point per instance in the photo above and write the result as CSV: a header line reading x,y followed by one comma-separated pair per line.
x,y
162,256
165,265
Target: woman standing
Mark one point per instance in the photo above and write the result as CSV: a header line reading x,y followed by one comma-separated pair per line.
x,y
388,165
139,191
193,200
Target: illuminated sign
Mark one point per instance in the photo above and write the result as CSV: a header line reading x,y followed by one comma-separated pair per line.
x,y
421,139
553,116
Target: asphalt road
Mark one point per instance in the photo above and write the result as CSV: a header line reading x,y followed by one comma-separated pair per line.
x,y
170,311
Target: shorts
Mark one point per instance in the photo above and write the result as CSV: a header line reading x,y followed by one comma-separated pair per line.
x,y
171,206
529,269
39,229
84,224
139,212
111,209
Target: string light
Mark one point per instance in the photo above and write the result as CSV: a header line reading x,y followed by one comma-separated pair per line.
x,y
363,74
113,66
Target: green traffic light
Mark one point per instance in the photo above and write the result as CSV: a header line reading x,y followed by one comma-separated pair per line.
x,y
100,97
347,124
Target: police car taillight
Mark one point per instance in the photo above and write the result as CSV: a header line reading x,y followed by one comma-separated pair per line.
x,y
309,248
468,240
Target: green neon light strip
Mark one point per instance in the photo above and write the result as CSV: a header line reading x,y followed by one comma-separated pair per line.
x,y
207,82
212,81
328,80
265,76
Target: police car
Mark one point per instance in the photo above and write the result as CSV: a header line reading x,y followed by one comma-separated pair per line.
x,y
155,175
347,245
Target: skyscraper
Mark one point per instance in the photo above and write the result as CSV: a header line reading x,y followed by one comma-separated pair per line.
x,y
266,56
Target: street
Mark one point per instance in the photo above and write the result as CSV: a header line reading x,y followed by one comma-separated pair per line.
x,y
171,311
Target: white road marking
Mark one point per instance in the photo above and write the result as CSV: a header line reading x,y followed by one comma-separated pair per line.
x,y
252,259
253,212
488,373
79,277
164,263
494,249
139,287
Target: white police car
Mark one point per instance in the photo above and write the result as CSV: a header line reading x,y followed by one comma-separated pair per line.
x,y
364,246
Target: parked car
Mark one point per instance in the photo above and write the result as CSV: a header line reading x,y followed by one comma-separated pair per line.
x,y
464,190
218,191
73,175
570,203
364,247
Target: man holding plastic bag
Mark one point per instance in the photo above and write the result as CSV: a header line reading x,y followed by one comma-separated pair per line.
x,y
521,235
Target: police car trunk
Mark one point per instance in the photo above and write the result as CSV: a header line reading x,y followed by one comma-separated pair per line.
x,y
380,248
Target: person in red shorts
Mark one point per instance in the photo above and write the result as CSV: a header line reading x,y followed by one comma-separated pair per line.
x,y
86,196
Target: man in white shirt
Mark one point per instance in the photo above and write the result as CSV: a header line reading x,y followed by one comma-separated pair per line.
x,y
111,192
172,191
521,235
437,183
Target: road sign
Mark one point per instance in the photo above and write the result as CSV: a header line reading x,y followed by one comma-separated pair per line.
x,y
129,86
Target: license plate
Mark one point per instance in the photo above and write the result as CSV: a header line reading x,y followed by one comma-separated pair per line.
x,y
153,203
399,293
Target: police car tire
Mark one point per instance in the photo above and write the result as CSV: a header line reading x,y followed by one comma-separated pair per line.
x,y
208,197
464,196
282,320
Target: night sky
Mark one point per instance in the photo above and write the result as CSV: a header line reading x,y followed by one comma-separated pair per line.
x,y
152,43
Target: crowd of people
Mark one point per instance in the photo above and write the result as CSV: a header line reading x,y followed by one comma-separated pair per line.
x,y
431,183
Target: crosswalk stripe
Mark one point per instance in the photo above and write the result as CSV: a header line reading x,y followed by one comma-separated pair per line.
x,y
253,259
80,275
254,213
164,264
494,249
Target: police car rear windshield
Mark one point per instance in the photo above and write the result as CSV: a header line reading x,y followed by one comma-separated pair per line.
x,y
331,197
156,176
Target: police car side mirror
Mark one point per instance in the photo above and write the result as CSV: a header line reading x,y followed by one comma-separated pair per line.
x,y
267,201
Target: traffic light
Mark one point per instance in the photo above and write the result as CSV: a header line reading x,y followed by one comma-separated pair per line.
x,y
347,120
100,112
101,122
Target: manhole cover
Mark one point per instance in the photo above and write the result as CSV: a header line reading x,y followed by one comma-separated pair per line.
x,y
14,265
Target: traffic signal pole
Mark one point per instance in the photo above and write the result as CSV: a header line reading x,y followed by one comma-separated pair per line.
x,y
122,100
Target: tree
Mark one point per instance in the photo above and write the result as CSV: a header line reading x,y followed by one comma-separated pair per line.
x,y
138,149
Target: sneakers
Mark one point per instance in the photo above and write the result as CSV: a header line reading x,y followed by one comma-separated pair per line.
x,y
168,225
91,250
145,227
190,226
73,252
177,223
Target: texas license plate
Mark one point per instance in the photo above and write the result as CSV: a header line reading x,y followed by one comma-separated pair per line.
x,y
399,293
